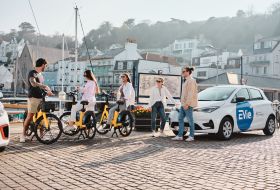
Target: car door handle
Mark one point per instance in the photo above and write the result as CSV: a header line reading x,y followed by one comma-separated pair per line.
x,y
259,113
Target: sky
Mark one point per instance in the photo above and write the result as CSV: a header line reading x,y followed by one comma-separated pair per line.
x,y
58,15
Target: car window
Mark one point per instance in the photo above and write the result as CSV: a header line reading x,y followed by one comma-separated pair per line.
x,y
242,93
255,94
215,93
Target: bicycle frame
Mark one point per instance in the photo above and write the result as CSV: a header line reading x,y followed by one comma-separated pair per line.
x,y
38,115
80,122
114,121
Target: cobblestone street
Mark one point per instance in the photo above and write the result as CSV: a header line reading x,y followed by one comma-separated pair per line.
x,y
248,161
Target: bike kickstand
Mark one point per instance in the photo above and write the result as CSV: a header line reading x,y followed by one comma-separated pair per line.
x,y
32,137
115,132
81,135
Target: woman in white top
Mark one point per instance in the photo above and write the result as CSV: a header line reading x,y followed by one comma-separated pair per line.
x,y
157,102
88,91
126,96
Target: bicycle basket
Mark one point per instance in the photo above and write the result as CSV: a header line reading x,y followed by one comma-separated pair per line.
x,y
68,106
48,106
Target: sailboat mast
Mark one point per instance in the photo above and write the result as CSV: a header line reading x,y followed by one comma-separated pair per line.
x,y
62,83
76,35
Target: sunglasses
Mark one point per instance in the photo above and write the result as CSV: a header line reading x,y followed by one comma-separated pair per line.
x,y
158,81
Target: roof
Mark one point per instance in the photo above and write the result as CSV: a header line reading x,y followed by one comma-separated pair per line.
x,y
109,54
160,58
52,55
251,80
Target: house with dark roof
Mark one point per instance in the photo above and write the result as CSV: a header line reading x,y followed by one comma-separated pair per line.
x,y
265,59
27,60
104,65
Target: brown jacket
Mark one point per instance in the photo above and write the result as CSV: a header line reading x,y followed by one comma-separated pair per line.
x,y
189,93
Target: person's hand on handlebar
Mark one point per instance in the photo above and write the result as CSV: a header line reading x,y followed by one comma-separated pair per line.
x,y
49,93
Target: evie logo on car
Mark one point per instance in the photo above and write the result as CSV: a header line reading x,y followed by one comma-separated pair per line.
x,y
244,115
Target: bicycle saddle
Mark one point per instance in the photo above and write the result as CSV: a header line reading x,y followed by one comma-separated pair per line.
x,y
84,103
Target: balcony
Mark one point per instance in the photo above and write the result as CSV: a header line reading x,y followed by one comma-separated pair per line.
x,y
260,62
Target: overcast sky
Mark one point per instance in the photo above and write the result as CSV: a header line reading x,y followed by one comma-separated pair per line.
x,y
58,15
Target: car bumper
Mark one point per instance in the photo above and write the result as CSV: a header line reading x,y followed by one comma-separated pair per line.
x,y
204,122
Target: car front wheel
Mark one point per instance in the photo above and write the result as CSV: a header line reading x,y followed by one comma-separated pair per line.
x,y
270,126
225,129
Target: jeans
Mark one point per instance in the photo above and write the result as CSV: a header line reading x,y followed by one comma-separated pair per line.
x,y
189,115
158,108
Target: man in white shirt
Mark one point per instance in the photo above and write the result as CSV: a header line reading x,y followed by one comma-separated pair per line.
x,y
157,102
126,98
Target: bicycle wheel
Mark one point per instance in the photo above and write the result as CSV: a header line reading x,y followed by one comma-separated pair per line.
x,y
90,129
101,124
48,134
127,123
64,118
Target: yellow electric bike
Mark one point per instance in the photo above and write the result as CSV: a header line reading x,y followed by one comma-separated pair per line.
x,y
122,120
85,120
46,126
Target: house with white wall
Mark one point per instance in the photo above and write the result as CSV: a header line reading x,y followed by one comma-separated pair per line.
x,y
265,59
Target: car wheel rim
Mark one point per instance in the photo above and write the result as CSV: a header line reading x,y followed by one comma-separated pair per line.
x,y
271,125
227,129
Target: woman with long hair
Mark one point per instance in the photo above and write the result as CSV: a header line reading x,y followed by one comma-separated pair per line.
x,y
126,98
89,90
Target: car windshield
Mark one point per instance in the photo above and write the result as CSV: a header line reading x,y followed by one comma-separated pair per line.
x,y
215,93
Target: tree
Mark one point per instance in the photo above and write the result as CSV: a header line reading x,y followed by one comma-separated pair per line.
x,y
26,27
129,23
240,13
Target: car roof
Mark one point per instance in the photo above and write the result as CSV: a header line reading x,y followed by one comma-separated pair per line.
x,y
237,86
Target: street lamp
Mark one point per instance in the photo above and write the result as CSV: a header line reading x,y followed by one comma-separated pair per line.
x,y
240,54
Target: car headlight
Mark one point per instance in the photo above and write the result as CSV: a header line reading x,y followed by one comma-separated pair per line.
x,y
207,109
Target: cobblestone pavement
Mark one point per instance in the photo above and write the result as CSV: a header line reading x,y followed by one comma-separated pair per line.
x,y
248,161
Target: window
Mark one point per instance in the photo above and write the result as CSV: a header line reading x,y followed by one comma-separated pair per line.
x,y
124,65
120,65
257,70
242,93
267,44
129,65
201,74
216,94
257,45
190,45
255,94
265,70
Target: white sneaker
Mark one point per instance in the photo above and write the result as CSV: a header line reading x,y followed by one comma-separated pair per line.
x,y
154,134
22,139
177,138
189,139
162,134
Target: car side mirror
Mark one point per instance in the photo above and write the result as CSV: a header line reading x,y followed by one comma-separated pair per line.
x,y
240,99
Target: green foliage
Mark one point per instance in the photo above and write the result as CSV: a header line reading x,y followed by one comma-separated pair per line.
x,y
229,33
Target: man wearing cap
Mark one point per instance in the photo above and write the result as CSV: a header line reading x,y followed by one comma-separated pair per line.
x,y
157,102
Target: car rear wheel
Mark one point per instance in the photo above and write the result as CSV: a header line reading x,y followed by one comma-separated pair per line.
x,y
225,129
270,126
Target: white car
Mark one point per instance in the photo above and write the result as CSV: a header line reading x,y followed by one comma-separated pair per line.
x,y
228,109
4,128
